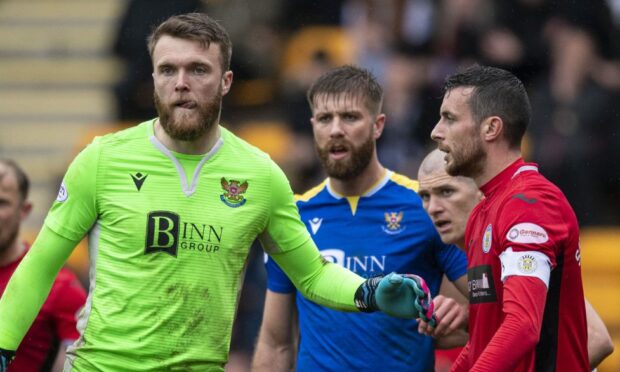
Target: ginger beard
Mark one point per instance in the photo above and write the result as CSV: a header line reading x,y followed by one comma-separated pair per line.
x,y
181,124
351,166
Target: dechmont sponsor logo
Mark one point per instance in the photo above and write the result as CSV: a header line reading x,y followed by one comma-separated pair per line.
x,y
527,233
166,233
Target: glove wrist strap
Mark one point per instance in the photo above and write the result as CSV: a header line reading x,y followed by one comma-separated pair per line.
x,y
6,356
365,300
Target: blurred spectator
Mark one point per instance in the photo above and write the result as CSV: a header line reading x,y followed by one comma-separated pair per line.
x,y
254,30
134,91
303,13
411,104
459,25
514,39
575,123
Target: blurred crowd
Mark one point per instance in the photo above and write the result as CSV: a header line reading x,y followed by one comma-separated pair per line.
x,y
566,52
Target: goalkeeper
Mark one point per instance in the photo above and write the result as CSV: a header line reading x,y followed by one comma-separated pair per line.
x,y
171,207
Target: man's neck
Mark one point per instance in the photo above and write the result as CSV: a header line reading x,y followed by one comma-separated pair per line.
x,y
199,146
361,183
461,244
15,251
496,162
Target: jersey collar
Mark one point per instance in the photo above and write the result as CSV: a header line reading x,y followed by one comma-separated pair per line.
x,y
188,189
371,191
513,170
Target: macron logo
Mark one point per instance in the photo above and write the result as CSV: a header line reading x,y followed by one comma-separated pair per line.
x,y
138,179
315,224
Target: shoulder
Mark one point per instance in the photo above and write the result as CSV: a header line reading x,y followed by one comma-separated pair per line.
x,y
239,146
535,205
238,156
405,182
123,140
531,192
136,132
403,190
308,195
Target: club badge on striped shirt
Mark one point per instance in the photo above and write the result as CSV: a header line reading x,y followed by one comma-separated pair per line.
x,y
233,191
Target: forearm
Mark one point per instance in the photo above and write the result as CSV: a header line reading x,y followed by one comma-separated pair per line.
x,y
524,304
30,285
272,357
599,341
276,346
455,339
325,283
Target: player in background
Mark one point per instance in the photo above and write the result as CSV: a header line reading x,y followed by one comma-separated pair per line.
x,y
449,200
370,220
54,327
171,207
527,307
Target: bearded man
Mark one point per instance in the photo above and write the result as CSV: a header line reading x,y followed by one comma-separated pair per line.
x,y
527,308
370,220
171,207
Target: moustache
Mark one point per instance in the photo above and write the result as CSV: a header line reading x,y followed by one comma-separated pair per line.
x,y
337,144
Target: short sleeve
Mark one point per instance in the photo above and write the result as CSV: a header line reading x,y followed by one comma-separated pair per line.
x,y
277,281
452,261
284,230
74,211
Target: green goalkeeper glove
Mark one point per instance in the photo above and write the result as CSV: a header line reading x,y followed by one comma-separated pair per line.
x,y
398,295
6,356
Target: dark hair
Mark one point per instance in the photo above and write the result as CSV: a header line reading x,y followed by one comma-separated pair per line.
x,y
23,184
496,92
351,80
197,27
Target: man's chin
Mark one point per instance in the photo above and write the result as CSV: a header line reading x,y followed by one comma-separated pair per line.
x,y
181,115
447,238
455,170
337,169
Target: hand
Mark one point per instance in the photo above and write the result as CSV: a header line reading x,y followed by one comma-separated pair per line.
x,y
405,296
450,314
6,356
402,296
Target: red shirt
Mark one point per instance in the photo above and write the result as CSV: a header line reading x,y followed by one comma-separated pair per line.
x,y
525,231
54,325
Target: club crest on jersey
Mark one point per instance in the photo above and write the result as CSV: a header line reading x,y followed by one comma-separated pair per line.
x,y
527,264
487,239
392,223
233,191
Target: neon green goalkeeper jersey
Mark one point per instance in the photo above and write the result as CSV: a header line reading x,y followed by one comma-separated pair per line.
x,y
169,236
